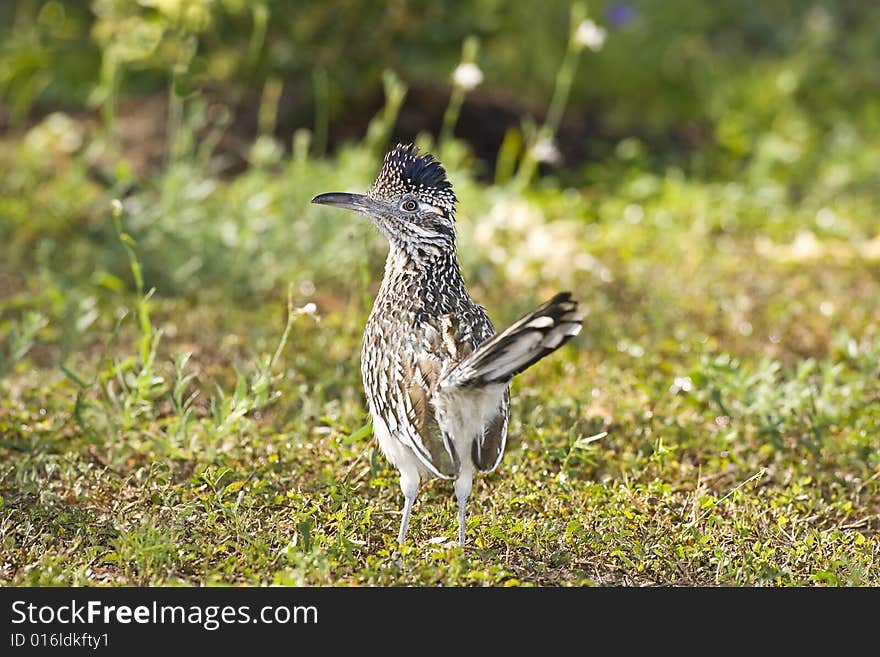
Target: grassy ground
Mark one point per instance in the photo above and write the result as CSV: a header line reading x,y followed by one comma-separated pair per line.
x,y
180,400
716,423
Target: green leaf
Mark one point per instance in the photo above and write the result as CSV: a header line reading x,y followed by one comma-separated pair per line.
x,y
360,434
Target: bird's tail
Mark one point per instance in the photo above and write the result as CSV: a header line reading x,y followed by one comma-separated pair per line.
x,y
520,346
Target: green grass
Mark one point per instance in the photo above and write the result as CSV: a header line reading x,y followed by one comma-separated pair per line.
x,y
180,400
715,423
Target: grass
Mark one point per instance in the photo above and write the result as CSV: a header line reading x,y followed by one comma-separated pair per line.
x,y
715,424
180,400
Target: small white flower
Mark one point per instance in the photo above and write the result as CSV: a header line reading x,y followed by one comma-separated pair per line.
x,y
310,309
681,383
545,150
467,76
590,35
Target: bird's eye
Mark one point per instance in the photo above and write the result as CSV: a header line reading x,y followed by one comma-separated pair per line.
x,y
409,205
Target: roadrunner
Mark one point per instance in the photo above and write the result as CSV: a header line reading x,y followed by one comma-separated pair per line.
x,y
436,375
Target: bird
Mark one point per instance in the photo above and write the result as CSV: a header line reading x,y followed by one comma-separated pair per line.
x,y
436,375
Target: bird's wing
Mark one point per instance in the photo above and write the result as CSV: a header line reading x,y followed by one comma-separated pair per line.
x,y
437,347
419,427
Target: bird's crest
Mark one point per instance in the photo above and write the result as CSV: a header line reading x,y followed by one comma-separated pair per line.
x,y
404,171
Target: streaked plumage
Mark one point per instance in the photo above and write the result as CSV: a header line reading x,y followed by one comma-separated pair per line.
x,y
436,376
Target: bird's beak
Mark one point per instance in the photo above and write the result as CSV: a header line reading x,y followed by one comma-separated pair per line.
x,y
356,202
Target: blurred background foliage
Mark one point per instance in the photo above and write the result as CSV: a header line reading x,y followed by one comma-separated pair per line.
x,y
211,120
703,175
721,85
210,117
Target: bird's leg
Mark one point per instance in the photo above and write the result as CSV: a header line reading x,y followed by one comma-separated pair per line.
x,y
409,485
461,521
463,485
404,522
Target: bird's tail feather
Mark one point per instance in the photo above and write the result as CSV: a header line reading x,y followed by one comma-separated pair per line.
x,y
520,346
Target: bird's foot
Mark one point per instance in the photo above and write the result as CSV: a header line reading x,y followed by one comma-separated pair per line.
x,y
396,559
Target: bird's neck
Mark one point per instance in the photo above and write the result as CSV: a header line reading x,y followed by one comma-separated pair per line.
x,y
432,277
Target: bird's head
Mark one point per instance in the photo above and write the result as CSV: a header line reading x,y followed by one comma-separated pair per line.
x,y
411,202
